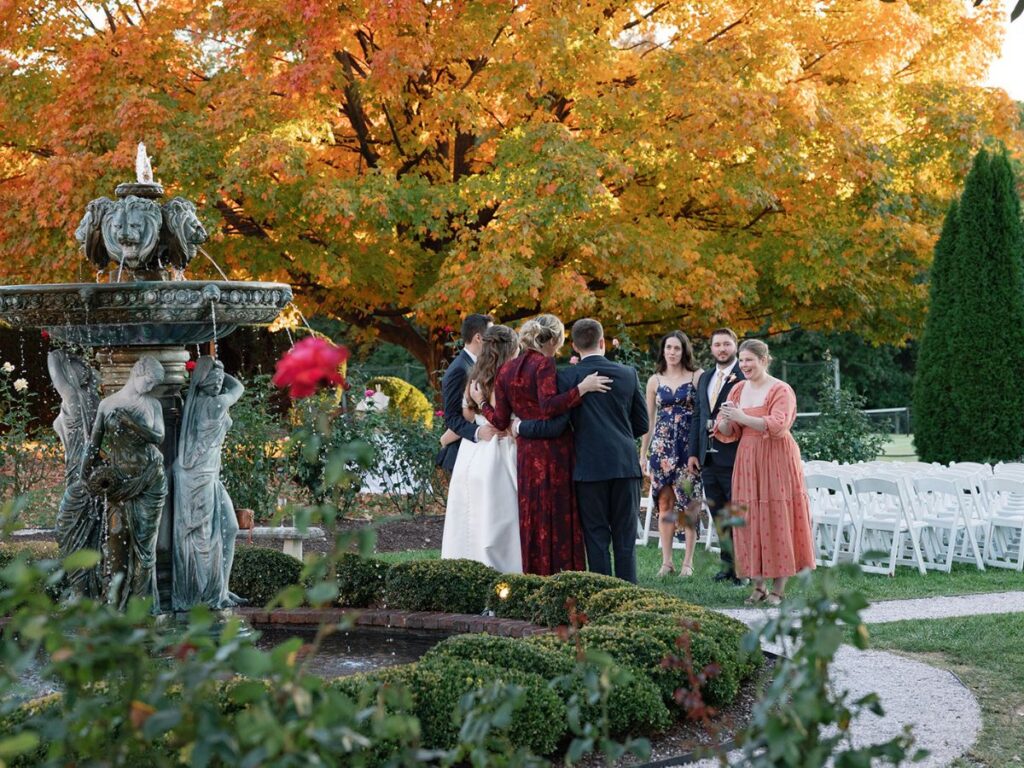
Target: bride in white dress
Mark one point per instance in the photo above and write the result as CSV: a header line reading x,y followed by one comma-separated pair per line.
x,y
482,519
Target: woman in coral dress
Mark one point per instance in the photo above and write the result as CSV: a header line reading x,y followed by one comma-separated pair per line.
x,y
550,532
768,487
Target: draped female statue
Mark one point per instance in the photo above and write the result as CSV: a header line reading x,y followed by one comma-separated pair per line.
x,y
124,468
78,519
204,517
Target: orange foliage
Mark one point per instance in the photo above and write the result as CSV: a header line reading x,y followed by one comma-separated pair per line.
x,y
402,163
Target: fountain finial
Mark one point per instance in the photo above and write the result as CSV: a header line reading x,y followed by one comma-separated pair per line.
x,y
143,170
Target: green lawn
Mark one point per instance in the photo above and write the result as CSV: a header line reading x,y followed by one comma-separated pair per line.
x,y
899,448
985,652
700,589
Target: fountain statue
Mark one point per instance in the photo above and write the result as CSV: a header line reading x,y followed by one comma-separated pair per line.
x,y
142,464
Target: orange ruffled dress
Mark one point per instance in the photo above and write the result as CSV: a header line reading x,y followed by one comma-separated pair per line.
x,y
768,490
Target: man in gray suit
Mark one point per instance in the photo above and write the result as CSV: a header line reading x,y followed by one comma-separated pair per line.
x,y
453,385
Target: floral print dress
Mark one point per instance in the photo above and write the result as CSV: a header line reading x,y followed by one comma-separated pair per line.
x,y
670,446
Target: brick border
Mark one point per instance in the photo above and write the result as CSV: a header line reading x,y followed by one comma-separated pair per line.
x,y
388,617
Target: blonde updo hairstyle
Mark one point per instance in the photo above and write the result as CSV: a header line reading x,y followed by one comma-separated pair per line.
x,y
541,330
758,349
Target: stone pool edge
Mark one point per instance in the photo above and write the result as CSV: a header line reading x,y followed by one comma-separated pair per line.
x,y
388,617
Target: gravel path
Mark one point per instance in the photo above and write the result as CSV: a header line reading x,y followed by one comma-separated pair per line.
x,y
942,711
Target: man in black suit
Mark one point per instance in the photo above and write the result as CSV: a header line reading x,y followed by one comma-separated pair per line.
x,y
607,472
716,467
453,385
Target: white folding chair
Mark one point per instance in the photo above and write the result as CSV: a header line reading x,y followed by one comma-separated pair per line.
x,y
972,466
643,530
952,529
886,525
1004,543
834,521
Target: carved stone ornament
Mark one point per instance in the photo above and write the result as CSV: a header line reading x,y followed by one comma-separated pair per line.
x,y
182,233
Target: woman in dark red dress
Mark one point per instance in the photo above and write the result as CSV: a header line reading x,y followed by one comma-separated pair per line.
x,y
549,527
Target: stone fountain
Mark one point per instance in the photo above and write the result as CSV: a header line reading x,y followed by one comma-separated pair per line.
x,y
142,461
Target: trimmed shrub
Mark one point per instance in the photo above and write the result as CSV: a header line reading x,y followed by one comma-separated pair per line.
x,y
626,598
550,600
732,664
518,590
35,551
455,586
634,708
361,581
258,573
440,682
405,398
505,652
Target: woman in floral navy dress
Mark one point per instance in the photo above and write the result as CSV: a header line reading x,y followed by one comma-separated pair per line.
x,y
665,449
550,531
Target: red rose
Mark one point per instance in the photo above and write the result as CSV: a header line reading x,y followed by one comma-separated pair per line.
x,y
45,334
309,364
190,366
439,414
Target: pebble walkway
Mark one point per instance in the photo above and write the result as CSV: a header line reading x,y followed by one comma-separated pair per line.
x,y
944,714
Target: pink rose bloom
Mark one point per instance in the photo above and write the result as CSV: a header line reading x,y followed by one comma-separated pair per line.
x,y
370,392
573,360
439,414
615,343
308,365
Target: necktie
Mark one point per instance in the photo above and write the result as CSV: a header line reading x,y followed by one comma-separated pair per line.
x,y
718,389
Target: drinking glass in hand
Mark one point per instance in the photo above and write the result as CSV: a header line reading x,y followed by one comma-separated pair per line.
x,y
711,436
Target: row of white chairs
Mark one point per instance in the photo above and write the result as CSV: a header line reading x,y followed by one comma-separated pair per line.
x,y
885,514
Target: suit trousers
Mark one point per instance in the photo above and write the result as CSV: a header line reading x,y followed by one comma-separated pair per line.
x,y
717,482
608,512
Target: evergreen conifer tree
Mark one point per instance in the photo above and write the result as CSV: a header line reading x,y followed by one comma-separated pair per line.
x,y
968,404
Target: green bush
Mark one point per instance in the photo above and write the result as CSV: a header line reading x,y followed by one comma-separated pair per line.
x,y
35,551
725,630
360,581
549,602
627,598
730,660
506,652
254,466
258,573
454,586
842,433
518,590
440,682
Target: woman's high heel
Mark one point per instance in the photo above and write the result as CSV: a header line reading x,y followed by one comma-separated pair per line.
x,y
665,570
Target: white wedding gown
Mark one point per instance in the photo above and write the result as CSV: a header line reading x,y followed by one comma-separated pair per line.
x,y
482,520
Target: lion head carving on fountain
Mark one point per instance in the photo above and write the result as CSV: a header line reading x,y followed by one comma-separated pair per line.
x,y
182,234
131,231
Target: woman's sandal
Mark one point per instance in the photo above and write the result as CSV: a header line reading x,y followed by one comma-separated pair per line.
x,y
685,571
773,598
665,570
757,596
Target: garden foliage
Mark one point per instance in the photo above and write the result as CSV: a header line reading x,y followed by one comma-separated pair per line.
x,y
841,433
974,335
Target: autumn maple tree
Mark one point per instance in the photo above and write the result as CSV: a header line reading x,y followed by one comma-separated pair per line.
x,y
402,162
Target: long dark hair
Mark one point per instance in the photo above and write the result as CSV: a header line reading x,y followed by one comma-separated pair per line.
x,y
500,345
687,361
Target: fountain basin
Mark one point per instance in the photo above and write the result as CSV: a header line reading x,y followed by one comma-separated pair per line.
x,y
142,313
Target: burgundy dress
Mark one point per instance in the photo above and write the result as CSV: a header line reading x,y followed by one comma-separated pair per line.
x,y
550,532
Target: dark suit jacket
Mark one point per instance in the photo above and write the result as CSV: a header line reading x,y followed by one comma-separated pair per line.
x,y
699,438
453,385
606,424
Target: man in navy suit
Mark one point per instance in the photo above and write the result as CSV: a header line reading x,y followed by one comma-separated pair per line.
x,y
453,385
716,467
607,472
